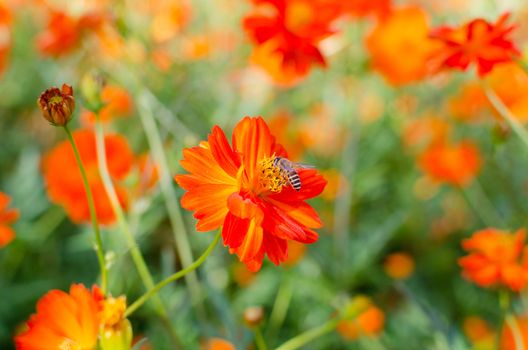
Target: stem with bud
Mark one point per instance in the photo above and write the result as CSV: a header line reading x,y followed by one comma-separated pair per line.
x,y
93,214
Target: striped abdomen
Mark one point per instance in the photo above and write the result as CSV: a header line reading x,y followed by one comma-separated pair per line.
x,y
294,180
288,167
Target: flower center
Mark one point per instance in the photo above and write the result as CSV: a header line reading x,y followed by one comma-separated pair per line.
x,y
113,311
271,177
55,100
298,15
68,344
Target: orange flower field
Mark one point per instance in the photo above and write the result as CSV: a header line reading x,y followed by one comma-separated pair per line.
x,y
264,174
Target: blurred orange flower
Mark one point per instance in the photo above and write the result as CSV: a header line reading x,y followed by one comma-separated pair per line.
x,y
242,189
496,258
363,8
148,173
470,103
510,83
282,126
296,252
7,217
426,130
479,42
197,47
507,341
400,46
368,321
218,344
320,134
336,186
168,19
64,182
287,35
5,35
63,321
117,104
63,32
478,331
242,275
399,266
455,164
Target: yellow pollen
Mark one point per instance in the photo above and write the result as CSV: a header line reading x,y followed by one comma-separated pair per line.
x,y
271,177
56,100
113,311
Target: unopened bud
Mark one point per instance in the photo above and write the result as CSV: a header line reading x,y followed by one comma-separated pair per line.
x,y
57,106
253,316
92,84
116,331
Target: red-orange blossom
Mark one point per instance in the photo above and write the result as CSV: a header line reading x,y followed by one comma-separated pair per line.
x,y
240,189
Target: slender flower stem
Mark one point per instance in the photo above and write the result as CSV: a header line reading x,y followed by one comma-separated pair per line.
x,y
93,215
509,320
118,211
481,204
137,304
280,308
508,116
166,183
259,339
137,257
309,335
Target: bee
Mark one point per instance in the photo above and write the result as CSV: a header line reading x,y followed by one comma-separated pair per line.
x,y
290,169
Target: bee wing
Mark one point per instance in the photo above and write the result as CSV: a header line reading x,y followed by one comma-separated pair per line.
x,y
303,166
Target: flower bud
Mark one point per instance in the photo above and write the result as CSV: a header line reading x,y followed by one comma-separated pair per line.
x,y
57,106
92,85
116,331
253,316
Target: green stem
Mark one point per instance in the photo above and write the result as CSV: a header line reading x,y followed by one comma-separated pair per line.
x,y
481,204
504,111
167,190
280,307
93,215
137,304
137,257
259,339
309,335
118,211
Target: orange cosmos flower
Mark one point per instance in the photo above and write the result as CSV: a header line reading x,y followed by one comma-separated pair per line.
x,y
479,42
496,258
218,344
470,103
168,19
364,8
510,82
479,332
283,127
426,130
400,46
64,321
455,164
7,217
64,32
288,33
368,320
399,266
64,182
241,188
117,104
5,35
